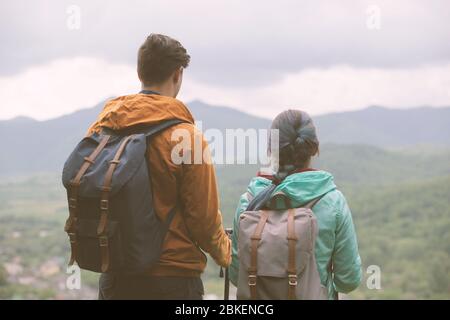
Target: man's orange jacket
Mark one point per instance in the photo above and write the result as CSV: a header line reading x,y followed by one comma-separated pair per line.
x,y
197,225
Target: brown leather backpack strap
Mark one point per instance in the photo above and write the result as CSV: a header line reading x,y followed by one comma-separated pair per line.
x,y
73,247
72,197
72,193
256,237
292,241
104,251
104,204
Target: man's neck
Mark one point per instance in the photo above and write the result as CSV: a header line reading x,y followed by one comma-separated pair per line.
x,y
162,90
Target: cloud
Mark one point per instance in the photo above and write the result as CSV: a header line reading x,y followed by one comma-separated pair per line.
x,y
66,85
233,43
335,89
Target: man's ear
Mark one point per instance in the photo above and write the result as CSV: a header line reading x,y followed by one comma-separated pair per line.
x,y
177,75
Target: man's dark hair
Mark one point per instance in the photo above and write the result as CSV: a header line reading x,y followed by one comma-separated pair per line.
x,y
158,57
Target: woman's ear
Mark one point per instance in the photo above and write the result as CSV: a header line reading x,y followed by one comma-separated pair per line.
x,y
317,152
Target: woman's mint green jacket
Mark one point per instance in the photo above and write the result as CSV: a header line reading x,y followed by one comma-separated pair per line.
x,y
336,241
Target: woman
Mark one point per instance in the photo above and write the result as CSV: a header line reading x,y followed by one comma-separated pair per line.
x,y
336,243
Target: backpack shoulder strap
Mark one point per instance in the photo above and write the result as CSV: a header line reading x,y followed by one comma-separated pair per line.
x,y
313,202
259,201
147,130
150,131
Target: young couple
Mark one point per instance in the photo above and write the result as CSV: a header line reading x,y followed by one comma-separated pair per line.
x,y
192,189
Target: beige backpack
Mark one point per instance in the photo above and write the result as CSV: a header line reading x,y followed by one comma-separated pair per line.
x,y
276,255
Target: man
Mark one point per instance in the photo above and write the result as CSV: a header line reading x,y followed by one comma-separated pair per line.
x,y
197,224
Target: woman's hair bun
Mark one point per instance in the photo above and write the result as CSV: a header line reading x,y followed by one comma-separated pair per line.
x,y
297,137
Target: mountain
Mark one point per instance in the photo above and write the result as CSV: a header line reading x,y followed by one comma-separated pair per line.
x,y
387,127
38,146
33,146
225,118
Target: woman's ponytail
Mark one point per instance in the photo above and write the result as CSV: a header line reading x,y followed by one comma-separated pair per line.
x,y
298,141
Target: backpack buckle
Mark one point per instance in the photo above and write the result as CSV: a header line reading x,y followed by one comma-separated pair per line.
x,y
72,237
292,279
69,223
89,160
103,241
72,203
104,204
252,280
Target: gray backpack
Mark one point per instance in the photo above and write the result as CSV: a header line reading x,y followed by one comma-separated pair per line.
x,y
112,224
276,254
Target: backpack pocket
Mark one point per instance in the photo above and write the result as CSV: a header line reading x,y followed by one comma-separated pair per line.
x,y
94,251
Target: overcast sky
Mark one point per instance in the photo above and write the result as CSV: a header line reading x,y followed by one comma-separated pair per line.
x,y
258,56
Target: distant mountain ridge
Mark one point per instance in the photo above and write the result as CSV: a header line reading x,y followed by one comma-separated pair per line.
x,y
36,146
387,127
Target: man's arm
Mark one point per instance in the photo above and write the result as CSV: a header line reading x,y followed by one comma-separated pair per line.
x,y
200,201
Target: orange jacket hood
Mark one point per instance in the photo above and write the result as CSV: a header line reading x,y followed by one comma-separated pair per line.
x,y
139,109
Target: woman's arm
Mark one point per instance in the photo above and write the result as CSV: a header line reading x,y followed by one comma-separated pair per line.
x,y
346,259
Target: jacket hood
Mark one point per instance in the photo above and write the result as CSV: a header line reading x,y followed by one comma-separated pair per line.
x,y
139,109
300,188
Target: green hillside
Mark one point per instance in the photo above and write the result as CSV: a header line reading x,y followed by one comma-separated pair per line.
x,y
353,167
369,166
400,206
404,229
